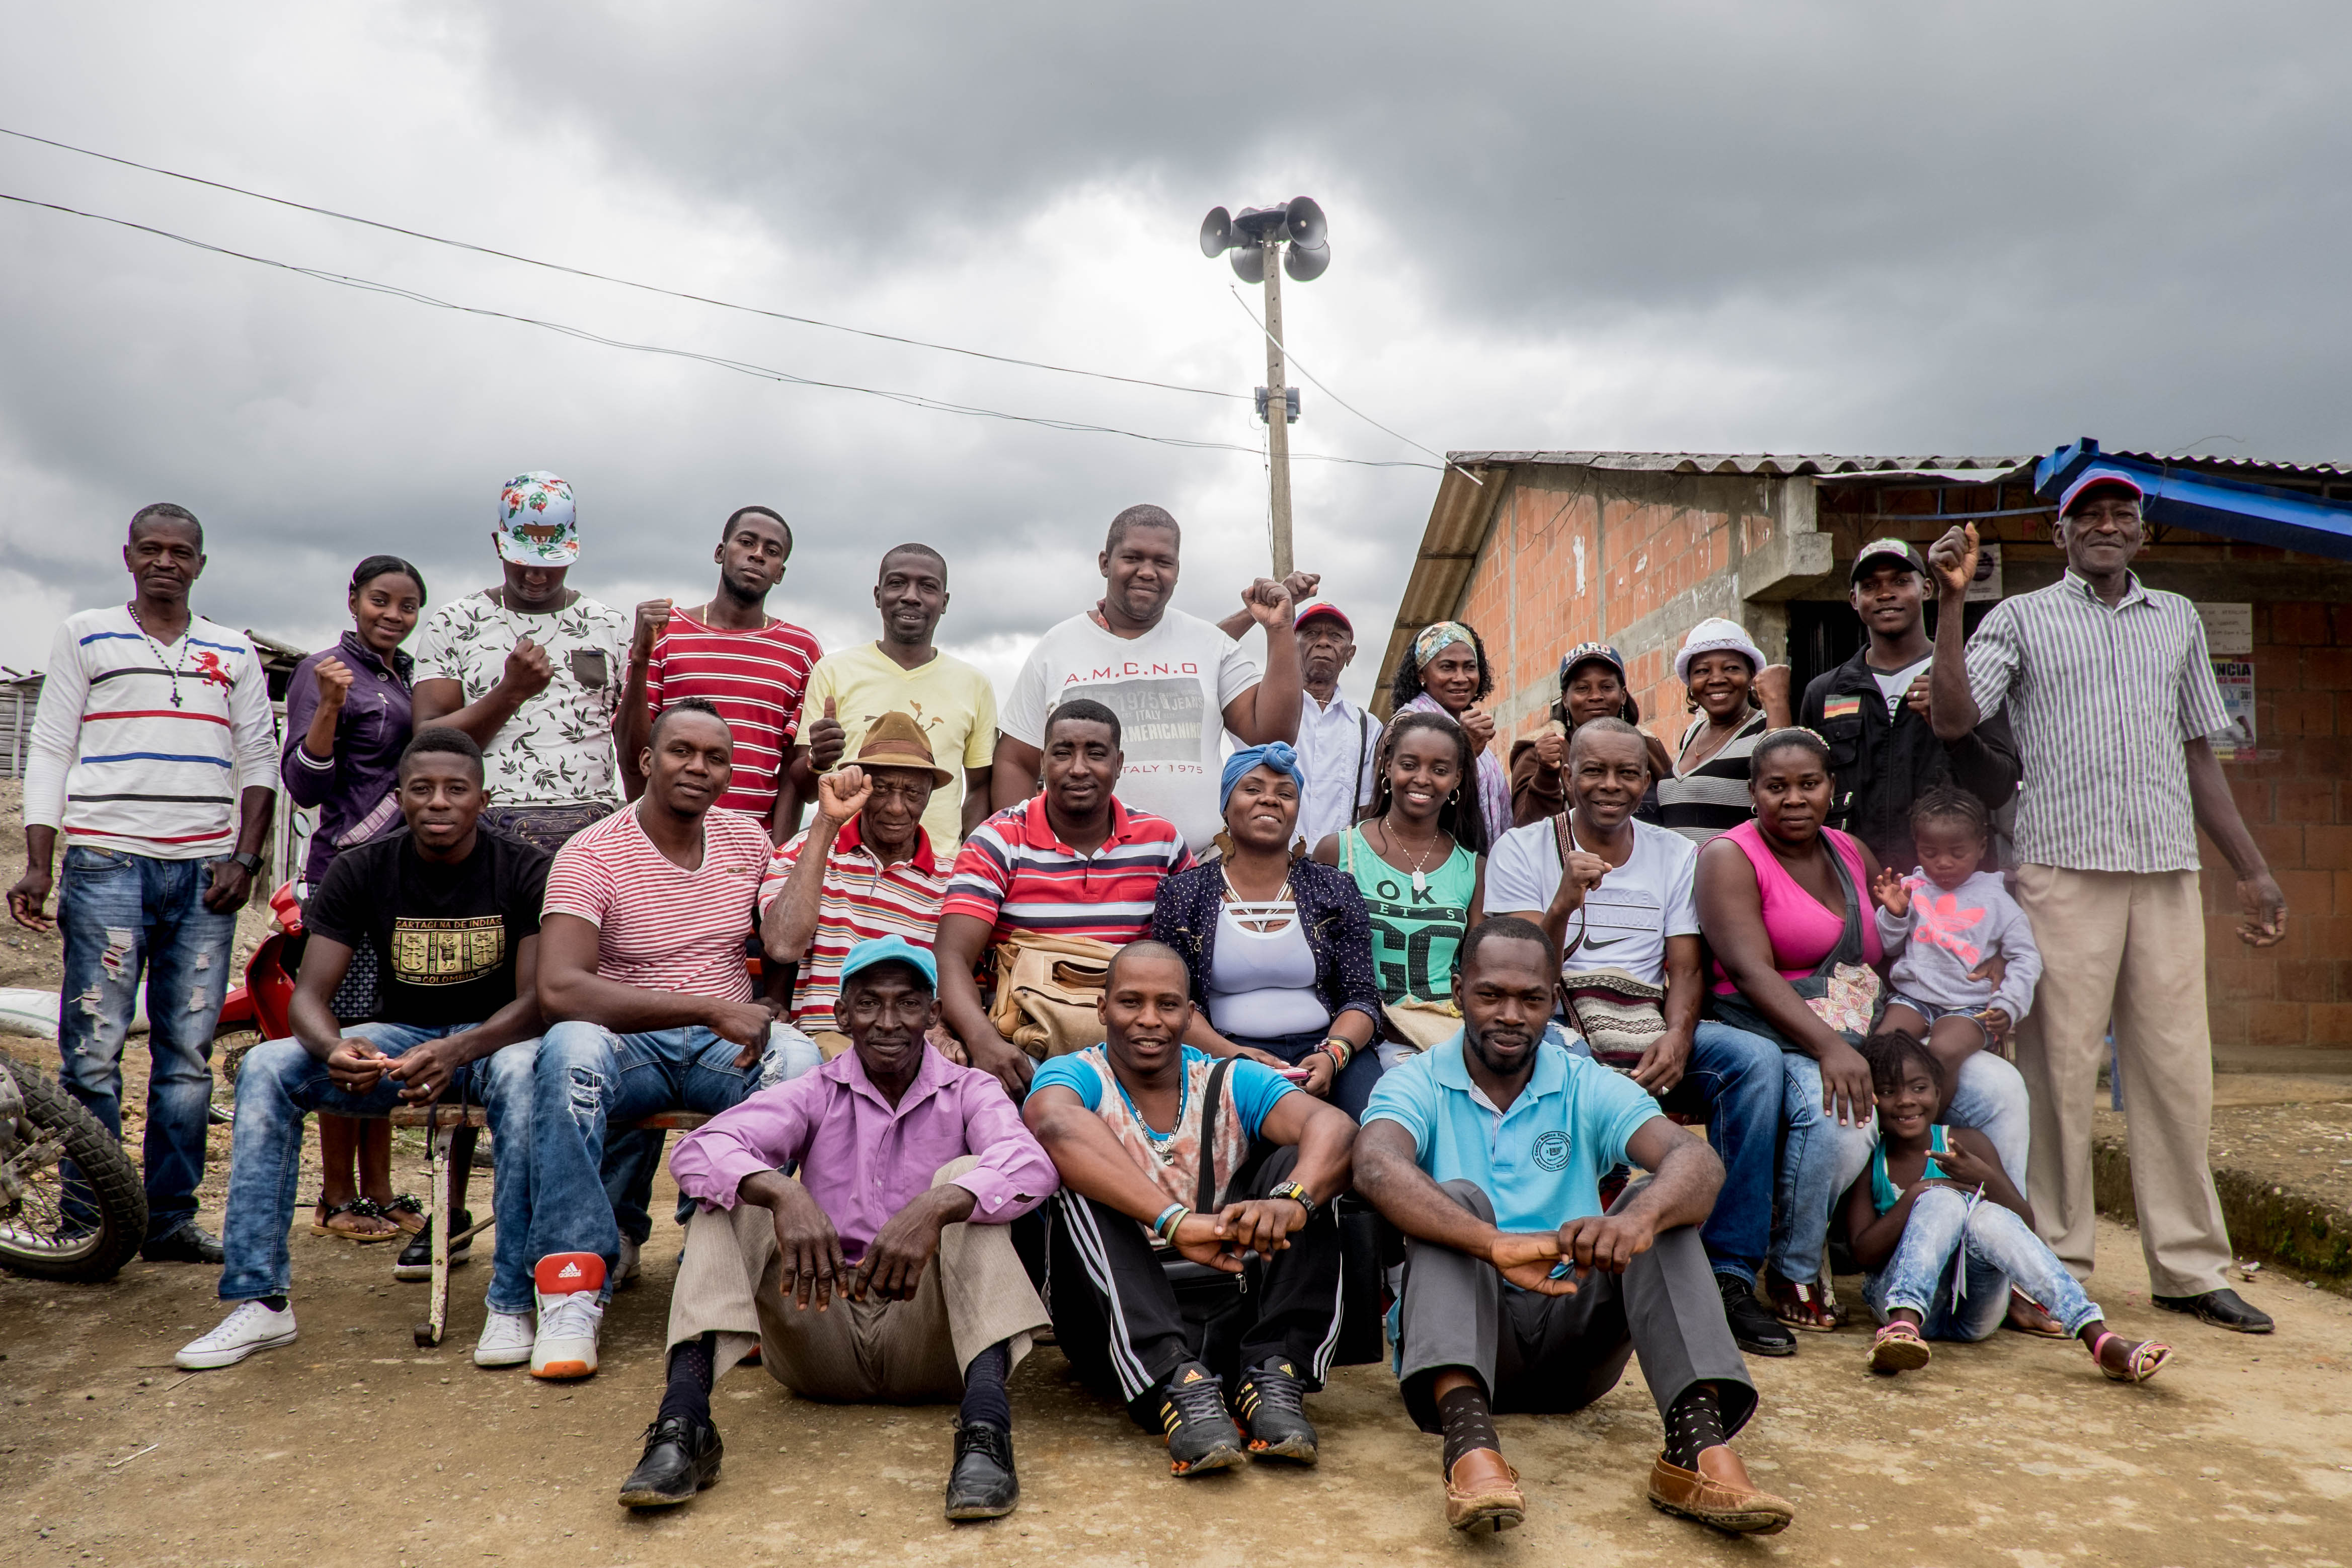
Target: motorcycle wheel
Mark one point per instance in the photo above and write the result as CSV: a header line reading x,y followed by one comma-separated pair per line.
x,y
36,1239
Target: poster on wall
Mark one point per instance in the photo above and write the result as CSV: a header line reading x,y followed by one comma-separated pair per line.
x,y
2228,630
1986,585
2236,678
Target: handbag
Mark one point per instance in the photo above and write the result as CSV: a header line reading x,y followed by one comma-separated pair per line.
x,y
1618,1015
1048,989
1843,991
1204,1294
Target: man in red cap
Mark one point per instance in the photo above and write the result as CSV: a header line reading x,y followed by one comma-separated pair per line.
x,y
1338,742
2111,695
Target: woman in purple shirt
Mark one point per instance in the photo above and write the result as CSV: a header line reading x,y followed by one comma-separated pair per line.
x,y
347,719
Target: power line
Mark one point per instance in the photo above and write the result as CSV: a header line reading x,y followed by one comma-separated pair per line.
x,y
744,367
1444,462
622,282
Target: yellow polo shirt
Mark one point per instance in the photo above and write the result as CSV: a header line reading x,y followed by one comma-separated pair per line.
x,y
951,700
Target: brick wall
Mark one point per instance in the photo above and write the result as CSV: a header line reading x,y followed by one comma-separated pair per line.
x,y
2296,797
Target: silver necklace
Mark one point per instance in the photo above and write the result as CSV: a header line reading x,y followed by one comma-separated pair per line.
x,y
178,666
1420,881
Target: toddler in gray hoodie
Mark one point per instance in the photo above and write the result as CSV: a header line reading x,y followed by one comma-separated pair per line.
x,y
1965,962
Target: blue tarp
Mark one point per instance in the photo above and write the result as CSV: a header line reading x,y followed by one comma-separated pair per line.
x,y
2231,508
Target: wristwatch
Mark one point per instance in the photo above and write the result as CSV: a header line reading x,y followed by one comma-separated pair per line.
x,y
1296,1194
248,859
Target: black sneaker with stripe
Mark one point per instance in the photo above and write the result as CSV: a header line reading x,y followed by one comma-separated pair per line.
x,y
1201,1436
1270,1402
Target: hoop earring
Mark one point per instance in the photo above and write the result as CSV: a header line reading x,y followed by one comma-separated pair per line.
x,y
1455,796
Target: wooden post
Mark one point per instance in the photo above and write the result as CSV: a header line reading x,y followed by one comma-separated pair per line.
x,y
1277,411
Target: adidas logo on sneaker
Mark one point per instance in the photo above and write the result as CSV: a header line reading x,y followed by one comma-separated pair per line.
x,y
569,1271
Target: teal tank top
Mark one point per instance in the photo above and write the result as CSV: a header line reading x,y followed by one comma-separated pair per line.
x,y
1415,931
1883,1193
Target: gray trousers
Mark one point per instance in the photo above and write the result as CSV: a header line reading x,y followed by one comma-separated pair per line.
x,y
1548,1354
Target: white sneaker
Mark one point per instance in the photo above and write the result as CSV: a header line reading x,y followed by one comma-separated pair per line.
x,y
253,1326
631,1265
566,1343
508,1339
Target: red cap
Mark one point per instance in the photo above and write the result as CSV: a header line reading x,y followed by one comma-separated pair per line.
x,y
2092,480
1314,607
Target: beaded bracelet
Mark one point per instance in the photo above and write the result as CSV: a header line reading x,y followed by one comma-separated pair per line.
x,y
1164,1227
1339,1050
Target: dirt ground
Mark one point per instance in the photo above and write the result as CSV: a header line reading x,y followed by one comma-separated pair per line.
x,y
355,1448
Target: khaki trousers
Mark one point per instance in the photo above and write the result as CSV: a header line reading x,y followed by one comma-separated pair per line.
x,y
974,1294
2129,946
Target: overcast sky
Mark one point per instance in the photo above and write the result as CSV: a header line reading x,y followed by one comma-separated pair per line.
x,y
1847,228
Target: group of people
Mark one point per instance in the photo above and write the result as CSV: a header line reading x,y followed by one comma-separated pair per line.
x,y
1180,1009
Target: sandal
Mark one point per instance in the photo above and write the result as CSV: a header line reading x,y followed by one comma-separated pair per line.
x,y
1799,1306
1899,1348
339,1221
2148,1358
2028,1316
405,1212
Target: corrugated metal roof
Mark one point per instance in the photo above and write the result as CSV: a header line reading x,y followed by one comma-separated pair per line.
x,y
1768,464
2255,469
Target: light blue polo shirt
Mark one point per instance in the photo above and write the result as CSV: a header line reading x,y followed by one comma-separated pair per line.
x,y
1542,1161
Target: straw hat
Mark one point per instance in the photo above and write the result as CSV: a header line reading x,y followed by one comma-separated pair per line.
x,y
896,741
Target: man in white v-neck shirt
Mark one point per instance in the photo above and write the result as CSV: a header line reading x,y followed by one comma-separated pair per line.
x,y
1338,742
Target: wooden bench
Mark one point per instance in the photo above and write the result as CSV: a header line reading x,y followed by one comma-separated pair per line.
x,y
441,1123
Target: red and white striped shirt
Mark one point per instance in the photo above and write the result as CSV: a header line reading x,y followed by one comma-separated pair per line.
x,y
660,927
1016,873
860,898
753,679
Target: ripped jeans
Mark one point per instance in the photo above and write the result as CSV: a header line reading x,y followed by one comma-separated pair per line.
x,y
122,913
586,1080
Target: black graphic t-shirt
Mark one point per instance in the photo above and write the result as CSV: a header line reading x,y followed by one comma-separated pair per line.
x,y
448,935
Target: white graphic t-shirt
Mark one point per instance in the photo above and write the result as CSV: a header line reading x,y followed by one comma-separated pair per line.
x,y
1627,919
557,750
1168,688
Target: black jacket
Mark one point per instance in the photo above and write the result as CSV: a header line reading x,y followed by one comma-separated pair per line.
x,y
1883,766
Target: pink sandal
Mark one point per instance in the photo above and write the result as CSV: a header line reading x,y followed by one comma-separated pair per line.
x,y
2148,1358
1898,1347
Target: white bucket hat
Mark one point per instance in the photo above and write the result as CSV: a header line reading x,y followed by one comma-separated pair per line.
x,y
1715,635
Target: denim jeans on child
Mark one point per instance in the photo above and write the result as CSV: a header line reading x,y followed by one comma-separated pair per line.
x,y
280,1081
1984,1249
120,914
588,1079
1819,1159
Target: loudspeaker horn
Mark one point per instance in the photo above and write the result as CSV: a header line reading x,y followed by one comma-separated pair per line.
x,y
1216,233
1304,262
1304,218
1249,262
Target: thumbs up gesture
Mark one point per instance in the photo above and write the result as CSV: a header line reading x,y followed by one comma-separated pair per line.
x,y
825,739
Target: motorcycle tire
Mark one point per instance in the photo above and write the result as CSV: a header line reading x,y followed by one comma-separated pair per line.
x,y
112,1176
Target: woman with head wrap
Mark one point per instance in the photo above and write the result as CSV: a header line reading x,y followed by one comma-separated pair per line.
x,y
1445,671
1736,698
1278,947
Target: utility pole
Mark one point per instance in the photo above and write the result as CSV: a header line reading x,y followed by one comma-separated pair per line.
x,y
1277,414
1257,240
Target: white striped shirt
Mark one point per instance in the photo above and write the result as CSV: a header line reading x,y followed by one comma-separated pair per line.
x,y
115,765
660,927
2102,700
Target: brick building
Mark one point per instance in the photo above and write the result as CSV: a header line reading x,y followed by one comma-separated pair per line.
x,y
1543,549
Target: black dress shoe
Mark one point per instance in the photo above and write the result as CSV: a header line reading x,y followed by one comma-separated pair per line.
x,y
681,1458
189,1244
1753,1327
2223,1309
982,1484
415,1259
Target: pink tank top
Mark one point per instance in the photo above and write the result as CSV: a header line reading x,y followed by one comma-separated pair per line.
x,y
1803,929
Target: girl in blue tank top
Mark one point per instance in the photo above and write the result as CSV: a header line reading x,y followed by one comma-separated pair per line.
x,y
1941,1233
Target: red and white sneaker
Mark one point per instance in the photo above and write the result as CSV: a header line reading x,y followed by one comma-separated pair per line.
x,y
570,1316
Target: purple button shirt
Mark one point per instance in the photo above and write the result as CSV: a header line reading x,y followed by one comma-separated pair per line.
x,y
862,1159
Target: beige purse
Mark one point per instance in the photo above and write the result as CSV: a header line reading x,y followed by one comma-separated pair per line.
x,y
1422,1025
1047,992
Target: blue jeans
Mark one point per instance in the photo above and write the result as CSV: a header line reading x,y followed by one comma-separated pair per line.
x,y
120,914
588,1078
280,1081
1735,1078
1982,1250
1990,1096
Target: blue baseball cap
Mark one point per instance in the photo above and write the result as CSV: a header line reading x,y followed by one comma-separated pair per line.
x,y
891,949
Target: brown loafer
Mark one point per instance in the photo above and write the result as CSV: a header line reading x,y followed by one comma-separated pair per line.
x,y
1482,1492
1719,1493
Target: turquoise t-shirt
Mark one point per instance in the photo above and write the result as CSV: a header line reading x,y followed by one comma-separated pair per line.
x,y
1542,1161
1253,1085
